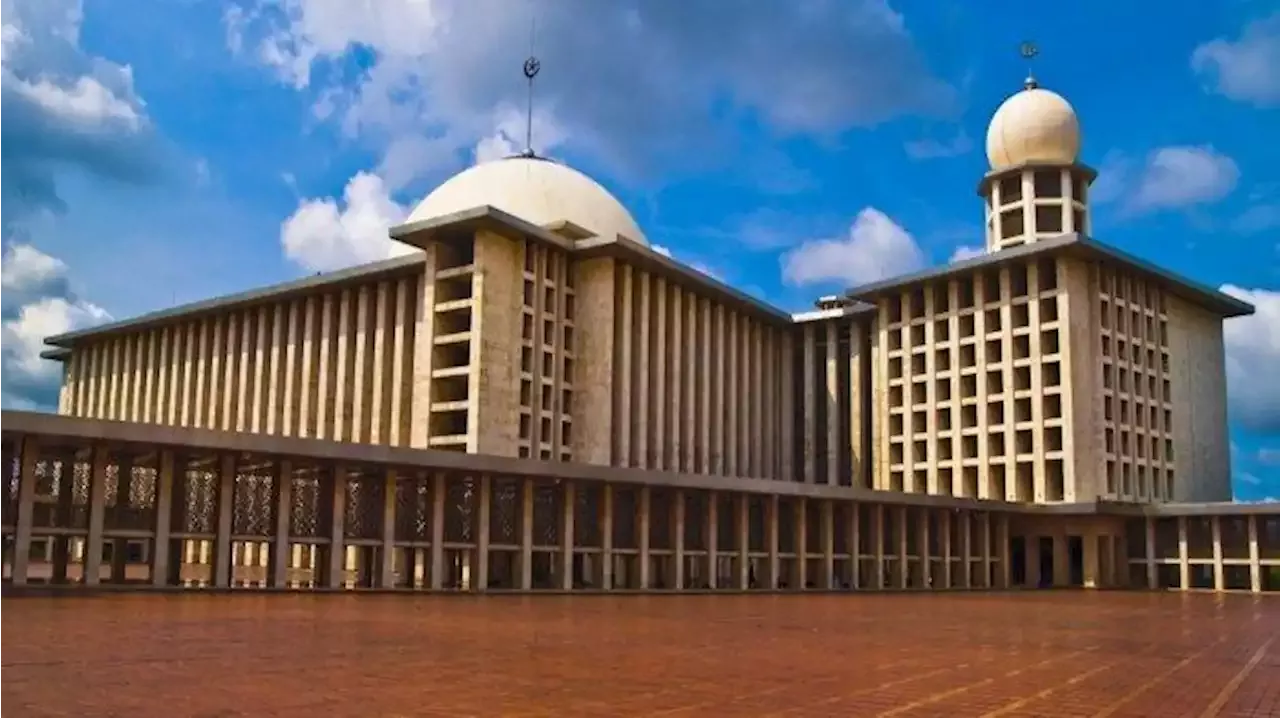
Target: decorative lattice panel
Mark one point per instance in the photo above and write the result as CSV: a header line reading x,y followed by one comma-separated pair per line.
x,y
362,509
547,500
461,493
505,511
413,509
254,509
304,506
199,501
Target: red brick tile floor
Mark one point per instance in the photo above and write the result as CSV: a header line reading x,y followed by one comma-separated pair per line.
x,y
954,655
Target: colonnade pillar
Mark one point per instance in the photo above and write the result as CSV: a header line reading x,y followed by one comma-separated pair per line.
x,y
281,553
646,515
480,579
1150,536
712,539
160,559
97,516
337,531
606,537
744,541
387,554
526,534
566,536
24,521
1184,568
1255,567
437,494
828,544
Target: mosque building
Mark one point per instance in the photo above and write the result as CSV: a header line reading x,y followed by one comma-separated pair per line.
x,y
537,399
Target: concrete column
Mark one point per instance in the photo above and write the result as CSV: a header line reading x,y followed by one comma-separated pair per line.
x,y
1061,567
900,536
744,541
677,542
986,550
642,542
944,526
66,489
387,575
1006,558
855,545
713,509
1184,568
877,538
1255,563
124,487
1219,584
97,516
438,490
922,537
1032,561
1090,559
966,548
526,534
337,528
282,550
606,537
26,510
164,516
801,543
829,537
226,502
480,581
566,537
771,528
1151,553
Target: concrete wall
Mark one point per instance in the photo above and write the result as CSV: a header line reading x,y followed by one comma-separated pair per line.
x,y
1197,393
334,364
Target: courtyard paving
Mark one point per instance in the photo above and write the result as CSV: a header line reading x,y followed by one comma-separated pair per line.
x,y
954,655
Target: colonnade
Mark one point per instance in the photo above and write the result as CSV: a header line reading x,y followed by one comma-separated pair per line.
x,y
1234,552
98,514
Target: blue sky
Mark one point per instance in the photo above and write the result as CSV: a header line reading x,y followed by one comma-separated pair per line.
x,y
158,151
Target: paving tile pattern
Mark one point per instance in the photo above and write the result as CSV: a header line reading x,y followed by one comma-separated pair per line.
x,y
955,655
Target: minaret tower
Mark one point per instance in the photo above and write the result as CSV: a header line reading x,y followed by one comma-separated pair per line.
x,y
1035,189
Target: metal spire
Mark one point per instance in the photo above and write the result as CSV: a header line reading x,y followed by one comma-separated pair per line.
x,y
1028,50
531,67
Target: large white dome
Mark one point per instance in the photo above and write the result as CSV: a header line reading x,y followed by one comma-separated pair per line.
x,y
537,190
1035,125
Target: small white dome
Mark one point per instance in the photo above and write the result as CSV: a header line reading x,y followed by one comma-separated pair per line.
x,y
1035,125
537,190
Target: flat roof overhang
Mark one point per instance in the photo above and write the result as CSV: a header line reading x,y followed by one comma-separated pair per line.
x,y
1076,245
55,428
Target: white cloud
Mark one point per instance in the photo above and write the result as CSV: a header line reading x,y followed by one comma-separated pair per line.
x,y
648,85
875,248
1253,352
38,303
928,148
1244,69
1182,176
325,234
661,250
1167,178
509,134
1269,457
964,252
63,109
